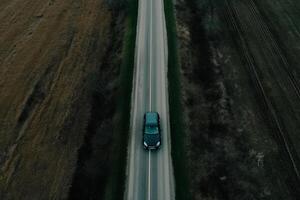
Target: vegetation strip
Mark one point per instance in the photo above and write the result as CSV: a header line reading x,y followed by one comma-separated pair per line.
x,y
116,184
176,120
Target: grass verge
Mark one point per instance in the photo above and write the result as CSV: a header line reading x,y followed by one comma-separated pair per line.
x,y
116,183
175,103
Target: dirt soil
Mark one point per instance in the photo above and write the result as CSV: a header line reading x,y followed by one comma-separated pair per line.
x,y
59,64
240,81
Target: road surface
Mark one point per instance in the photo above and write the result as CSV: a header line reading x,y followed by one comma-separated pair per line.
x,y
150,173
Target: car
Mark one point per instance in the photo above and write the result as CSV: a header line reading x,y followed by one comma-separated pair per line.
x,y
151,131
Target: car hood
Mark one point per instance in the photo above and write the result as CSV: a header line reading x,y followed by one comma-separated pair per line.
x,y
151,139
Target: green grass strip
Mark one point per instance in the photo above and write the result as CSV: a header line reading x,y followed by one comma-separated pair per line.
x,y
176,120
116,185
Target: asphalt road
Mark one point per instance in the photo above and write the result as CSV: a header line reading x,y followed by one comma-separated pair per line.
x,y
150,173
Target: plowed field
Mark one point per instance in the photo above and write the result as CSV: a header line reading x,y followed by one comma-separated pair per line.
x,y
54,57
242,97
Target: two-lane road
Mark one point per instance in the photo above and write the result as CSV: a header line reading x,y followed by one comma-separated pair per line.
x,y
150,173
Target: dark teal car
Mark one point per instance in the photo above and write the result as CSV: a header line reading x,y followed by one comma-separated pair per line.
x,y
151,131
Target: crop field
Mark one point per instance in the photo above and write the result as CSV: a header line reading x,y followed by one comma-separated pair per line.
x,y
241,97
59,66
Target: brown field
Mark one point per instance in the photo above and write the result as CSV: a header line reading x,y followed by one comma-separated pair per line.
x,y
240,74
54,56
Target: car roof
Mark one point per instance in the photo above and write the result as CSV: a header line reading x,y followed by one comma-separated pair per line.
x,y
151,117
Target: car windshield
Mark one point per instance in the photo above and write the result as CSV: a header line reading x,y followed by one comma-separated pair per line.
x,y
151,129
